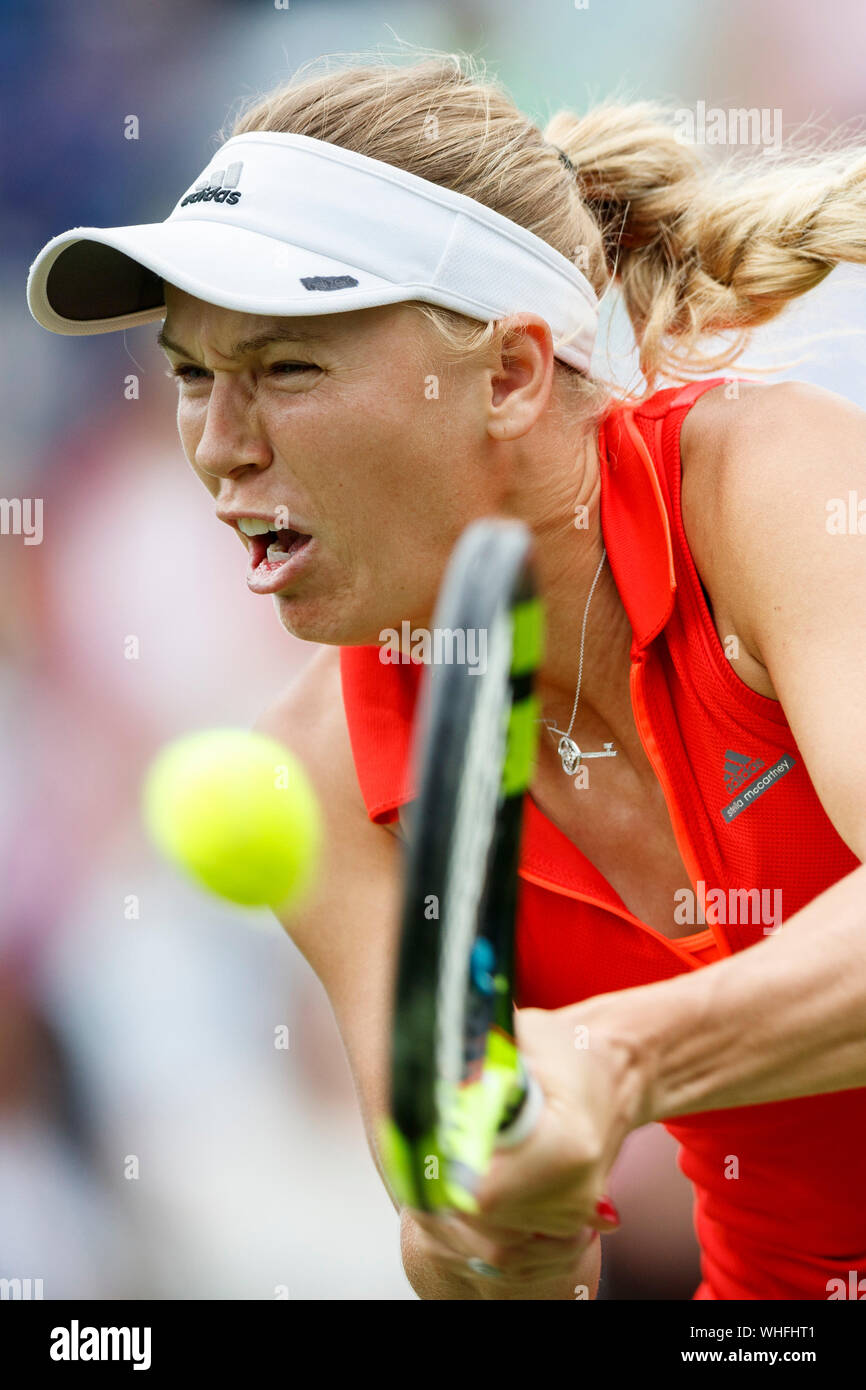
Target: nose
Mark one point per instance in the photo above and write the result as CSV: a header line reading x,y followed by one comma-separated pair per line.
x,y
232,438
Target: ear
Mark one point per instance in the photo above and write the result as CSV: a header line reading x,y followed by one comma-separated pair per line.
x,y
521,378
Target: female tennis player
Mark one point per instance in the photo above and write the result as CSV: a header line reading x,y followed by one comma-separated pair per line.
x,y
380,302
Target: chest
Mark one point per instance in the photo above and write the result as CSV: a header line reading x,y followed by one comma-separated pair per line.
x,y
631,844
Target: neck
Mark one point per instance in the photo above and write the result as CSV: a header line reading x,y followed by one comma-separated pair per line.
x,y
566,560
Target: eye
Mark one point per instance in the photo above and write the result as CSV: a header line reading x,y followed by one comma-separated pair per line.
x,y
186,372
290,368
190,374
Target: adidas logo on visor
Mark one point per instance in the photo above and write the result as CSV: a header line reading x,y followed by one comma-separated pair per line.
x,y
217,186
328,282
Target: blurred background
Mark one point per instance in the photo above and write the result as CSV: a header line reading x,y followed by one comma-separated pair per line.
x,y
153,1143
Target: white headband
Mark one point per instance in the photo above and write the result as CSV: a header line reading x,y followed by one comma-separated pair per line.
x,y
284,225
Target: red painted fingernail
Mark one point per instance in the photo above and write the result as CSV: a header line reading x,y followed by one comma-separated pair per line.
x,y
606,1210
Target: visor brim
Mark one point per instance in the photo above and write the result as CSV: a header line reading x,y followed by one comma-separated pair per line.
x,y
98,280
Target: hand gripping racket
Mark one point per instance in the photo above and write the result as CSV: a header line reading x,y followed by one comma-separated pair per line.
x,y
458,1085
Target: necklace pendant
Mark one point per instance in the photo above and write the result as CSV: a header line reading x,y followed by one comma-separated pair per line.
x,y
570,754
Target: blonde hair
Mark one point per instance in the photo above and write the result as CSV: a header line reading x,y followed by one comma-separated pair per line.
x,y
696,250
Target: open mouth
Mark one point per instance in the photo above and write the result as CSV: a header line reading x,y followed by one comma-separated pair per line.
x,y
276,556
271,549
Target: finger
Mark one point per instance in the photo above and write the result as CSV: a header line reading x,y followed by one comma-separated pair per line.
x,y
504,1235
463,1233
556,1211
466,1247
543,1258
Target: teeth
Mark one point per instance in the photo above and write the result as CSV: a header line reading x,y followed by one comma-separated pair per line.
x,y
275,555
254,526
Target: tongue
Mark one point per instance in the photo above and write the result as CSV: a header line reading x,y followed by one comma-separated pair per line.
x,y
286,542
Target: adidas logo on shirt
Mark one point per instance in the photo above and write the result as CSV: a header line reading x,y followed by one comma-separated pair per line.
x,y
738,769
217,186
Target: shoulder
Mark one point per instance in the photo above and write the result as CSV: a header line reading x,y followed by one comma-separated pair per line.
x,y
722,440
309,717
760,421
767,456
310,708
359,876
348,928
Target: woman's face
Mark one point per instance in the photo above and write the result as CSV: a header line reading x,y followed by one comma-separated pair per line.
x,y
354,425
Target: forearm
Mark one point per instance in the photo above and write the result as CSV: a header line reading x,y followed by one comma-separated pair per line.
x,y
782,1019
433,1278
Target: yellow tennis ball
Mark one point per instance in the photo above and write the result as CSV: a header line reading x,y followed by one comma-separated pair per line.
x,y
235,810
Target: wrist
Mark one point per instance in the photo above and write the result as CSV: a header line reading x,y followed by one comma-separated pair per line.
x,y
621,1032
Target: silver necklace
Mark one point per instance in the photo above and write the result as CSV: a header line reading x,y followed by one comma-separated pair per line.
x,y
568,750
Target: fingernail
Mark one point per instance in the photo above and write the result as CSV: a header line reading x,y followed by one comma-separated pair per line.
x,y
606,1211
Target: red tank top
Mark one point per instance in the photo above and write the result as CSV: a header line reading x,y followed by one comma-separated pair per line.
x,y
745,815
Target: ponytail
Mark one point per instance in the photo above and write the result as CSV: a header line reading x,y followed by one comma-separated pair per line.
x,y
696,250
699,250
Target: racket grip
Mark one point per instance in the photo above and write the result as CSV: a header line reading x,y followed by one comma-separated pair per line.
x,y
524,1120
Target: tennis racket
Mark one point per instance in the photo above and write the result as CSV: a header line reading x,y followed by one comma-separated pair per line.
x,y
458,1085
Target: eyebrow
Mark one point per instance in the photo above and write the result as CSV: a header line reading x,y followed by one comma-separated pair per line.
x,y
246,346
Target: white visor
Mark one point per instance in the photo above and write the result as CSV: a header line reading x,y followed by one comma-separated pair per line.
x,y
284,225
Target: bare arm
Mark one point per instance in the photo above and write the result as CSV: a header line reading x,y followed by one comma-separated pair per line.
x,y
787,1017
348,932
780,1020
